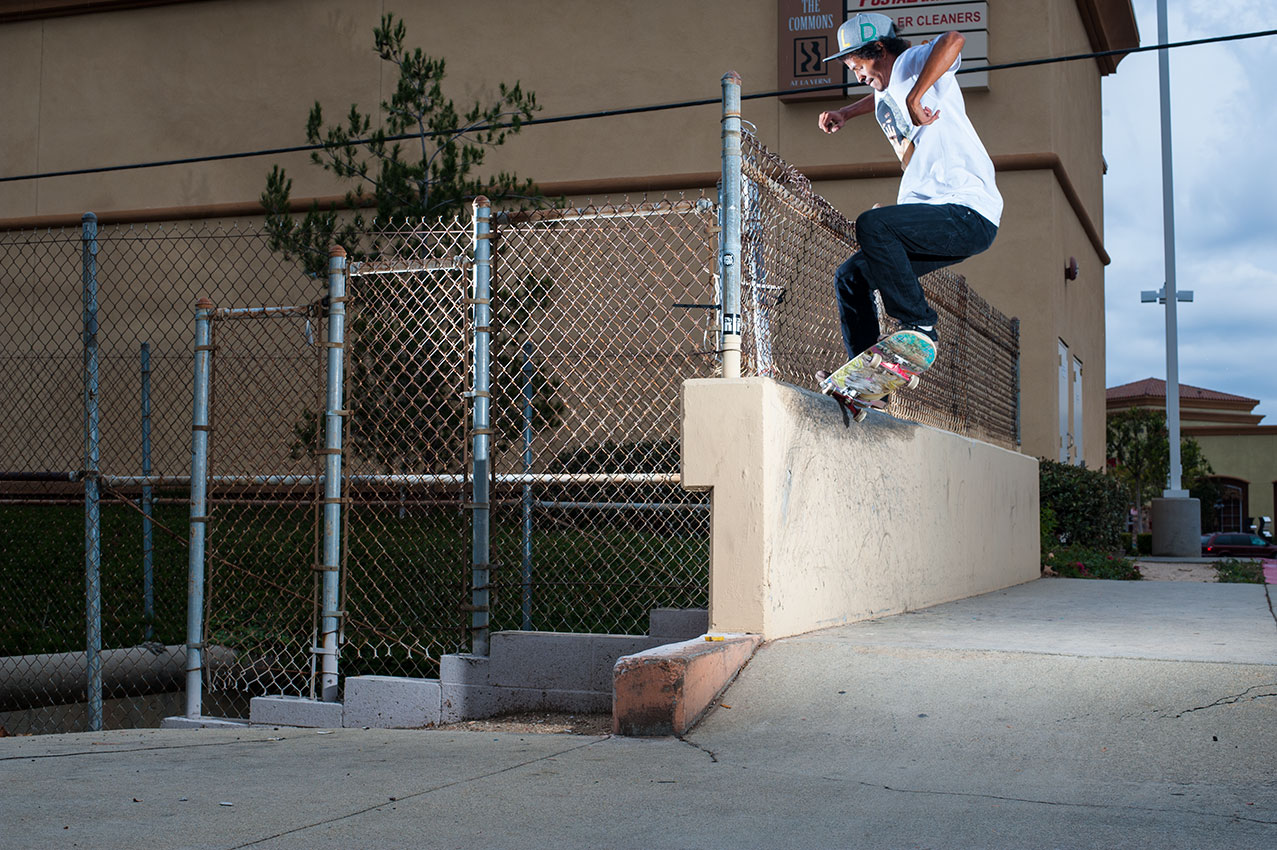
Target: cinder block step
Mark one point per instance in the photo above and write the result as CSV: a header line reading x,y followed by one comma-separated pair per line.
x,y
666,690
294,711
558,661
392,702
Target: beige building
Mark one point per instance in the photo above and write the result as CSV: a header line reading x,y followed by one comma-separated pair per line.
x,y
97,83
1242,452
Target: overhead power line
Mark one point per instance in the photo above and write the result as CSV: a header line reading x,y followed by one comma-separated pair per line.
x,y
611,113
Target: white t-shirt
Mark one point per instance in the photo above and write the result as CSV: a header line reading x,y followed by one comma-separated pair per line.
x,y
945,161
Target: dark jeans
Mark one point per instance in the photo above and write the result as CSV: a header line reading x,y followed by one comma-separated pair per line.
x,y
898,244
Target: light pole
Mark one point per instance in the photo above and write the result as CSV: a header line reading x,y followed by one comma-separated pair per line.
x,y
1177,521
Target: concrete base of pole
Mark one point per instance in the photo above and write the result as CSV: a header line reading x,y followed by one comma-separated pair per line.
x,y
1177,528
731,356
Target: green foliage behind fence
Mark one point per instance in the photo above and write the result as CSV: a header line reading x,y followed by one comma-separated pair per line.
x,y
42,564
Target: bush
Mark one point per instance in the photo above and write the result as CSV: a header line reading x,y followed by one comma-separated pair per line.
x,y
1089,507
1082,562
1049,529
1233,571
1144,544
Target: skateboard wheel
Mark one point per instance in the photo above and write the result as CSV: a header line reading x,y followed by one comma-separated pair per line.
x,y
861,415
826,389
874,361
913,382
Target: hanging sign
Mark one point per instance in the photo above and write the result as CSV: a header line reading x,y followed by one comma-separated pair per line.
x,y
807,33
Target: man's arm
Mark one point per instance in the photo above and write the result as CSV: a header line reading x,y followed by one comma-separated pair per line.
x,y
831,122
944,52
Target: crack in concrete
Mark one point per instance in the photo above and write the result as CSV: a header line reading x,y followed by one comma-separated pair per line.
x,y
1234,816
1234,699
1152,809
138,749
713,757
411,796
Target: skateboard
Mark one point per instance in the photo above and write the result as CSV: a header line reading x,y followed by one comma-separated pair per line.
x,y
893,362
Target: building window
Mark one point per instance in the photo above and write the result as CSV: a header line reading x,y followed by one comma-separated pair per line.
x,y
1077,411
1230,510
1064,402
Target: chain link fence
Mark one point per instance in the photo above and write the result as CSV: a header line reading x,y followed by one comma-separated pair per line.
x,y
95,639
407,435
267,381
598,315
792,241
602,312
595,317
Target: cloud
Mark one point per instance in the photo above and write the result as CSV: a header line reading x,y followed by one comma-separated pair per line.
x,y
1225,216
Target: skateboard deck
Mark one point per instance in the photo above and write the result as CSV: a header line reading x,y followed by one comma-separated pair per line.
x,y
891,363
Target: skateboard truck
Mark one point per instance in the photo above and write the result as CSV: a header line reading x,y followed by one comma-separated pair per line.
x,y
859,407
911,379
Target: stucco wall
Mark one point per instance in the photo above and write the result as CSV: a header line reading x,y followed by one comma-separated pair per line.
x,y
1252,459
233,75
818,520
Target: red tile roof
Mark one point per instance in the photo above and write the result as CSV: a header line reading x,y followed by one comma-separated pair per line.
x,y
1156,388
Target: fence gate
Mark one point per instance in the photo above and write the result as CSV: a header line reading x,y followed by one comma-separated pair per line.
x,y
406,455
600,313
264,497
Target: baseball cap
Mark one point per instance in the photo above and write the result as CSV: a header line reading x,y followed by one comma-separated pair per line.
x,y
860,30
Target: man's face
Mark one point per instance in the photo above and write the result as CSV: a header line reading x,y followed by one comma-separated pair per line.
x,y
875,73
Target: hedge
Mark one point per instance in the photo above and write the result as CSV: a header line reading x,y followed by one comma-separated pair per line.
x,y
1089,507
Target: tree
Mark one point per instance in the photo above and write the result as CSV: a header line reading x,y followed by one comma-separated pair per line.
x,y
434,181
1139,443
407,357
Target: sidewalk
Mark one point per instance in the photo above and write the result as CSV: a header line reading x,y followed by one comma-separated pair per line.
x,y
1191,569
1057,714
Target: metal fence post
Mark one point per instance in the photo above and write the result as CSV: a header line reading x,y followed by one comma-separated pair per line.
x,y
148,547
330,615
481,426
529,395
729,251
92,502
199,509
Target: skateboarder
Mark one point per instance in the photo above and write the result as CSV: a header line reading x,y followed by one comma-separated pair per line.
x,y
948,207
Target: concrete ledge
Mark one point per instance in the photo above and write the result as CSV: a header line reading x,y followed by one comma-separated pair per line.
x,y
820,521
294,711
391,702
666,690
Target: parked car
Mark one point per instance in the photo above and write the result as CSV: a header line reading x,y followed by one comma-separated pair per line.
x,y
1234,545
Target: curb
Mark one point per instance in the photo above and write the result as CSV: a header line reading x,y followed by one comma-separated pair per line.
x,y
666,690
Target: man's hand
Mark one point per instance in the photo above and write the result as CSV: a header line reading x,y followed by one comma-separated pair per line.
x,y
831,122
920,115
944,52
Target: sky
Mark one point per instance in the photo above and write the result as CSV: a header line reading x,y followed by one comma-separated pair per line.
x,y
1223,137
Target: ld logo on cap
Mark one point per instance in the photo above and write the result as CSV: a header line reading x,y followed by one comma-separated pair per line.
x,y
860,30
